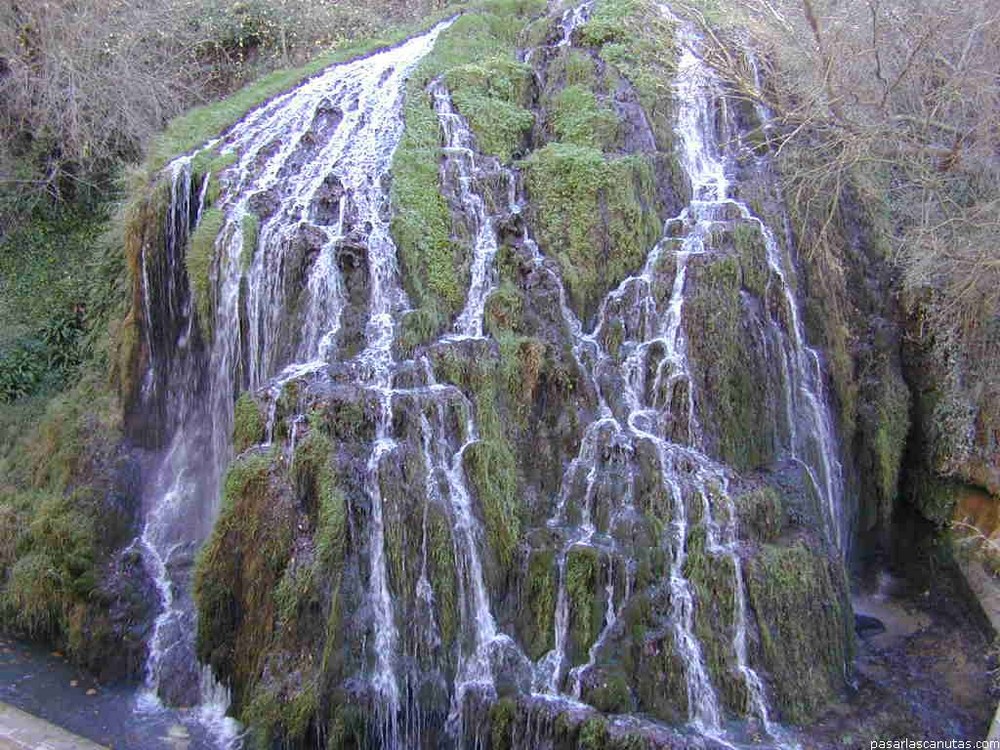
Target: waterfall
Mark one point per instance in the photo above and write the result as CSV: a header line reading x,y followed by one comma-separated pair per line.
x,y
811,443
335,134
311,171
462,168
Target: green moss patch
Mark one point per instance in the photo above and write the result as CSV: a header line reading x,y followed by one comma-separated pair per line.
x,y
541,589
761,514
491,469
421,223
200,261
442,573
594,214
248,423
732,374
713,578
251,233
239,568
578,118
490,95
748,241
636,38
800,601
586,605
503,714
490,464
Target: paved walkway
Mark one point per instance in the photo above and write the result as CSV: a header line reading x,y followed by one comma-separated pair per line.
x,y
987,590
21,731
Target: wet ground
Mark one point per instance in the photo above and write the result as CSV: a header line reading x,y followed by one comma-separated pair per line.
x,y
925,676
43,683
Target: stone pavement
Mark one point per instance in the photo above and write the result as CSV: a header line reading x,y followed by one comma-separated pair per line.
x,y
21,731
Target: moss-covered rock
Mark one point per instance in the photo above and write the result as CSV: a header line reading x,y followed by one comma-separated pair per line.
x,y
248,423
490,94
713,579
283,711
761,514
638,40
735,381
69,505
578,118
503,714
884,423
240,566
596,215
541,589
608,691
421,224
799,598
443,574
492,473
490,88
200,261
586,603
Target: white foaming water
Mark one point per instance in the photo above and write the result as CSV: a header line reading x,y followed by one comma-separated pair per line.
x,y
571,20
463,167
481,639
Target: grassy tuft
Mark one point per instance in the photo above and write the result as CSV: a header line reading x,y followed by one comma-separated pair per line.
x,y
491,469
583,571
248,423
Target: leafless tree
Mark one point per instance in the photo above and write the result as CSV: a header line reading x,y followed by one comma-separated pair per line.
x,y
901,100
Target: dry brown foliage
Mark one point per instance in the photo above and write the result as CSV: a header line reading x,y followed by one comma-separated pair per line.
x,y
900,99
86,84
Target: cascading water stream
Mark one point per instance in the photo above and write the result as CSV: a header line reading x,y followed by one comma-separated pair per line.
x,y
463,168
279,315
808,415
697,93
572,19
177,516
336,133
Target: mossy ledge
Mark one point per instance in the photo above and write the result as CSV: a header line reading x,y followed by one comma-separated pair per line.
x,y
595,214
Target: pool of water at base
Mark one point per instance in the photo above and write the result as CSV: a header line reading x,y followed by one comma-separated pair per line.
x,y
44,683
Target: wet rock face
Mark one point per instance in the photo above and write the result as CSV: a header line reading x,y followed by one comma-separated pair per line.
x,y
606,483
327,202
352,261
115,633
